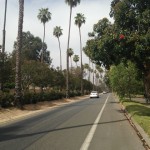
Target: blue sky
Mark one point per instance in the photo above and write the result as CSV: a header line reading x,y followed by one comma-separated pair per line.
x,y
93,10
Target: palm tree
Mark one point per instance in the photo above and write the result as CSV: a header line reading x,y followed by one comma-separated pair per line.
x,y
71,3
44,16
86,67
70,53
79,20
18,91
57,33
100,70
76,59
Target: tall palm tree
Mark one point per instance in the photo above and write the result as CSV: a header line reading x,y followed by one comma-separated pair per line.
x,y
70,53
44,16
76,59
71,3
18,91
57,33
86,67
79,20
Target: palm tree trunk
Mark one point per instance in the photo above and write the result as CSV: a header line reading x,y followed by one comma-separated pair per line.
x,y
18,91
93,75
4,32
60,55
89,70
67,75
42,54
81,62
3,45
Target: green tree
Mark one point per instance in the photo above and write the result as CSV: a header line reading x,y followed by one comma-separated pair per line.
x,y
71,3
79,20
127,39
44,16
124,79
57,33
76,59
18,90
31,47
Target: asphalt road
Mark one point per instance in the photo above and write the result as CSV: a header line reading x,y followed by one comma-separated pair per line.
x,y
91,124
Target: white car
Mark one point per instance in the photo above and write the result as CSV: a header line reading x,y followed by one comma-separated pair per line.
x,y
104,92
94,94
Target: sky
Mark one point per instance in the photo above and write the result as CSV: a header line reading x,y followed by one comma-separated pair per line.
x,y
93,10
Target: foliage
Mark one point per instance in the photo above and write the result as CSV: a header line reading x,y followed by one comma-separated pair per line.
x,y
123,79
130,22
31,49
76,59
6,72
7,99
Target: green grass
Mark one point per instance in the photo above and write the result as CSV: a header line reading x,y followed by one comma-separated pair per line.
x,y
140,113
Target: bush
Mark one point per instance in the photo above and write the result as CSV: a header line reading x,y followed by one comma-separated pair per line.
x,y
6,100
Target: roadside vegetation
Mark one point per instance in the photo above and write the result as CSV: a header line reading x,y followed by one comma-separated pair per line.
x,y
140,113
123,48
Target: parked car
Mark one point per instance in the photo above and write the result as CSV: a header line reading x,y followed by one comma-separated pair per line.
x,y
94,94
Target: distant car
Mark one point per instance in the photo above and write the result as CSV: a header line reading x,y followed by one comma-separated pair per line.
x,y
104,92
94,94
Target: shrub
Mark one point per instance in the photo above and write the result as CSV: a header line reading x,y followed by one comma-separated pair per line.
x,y
6,100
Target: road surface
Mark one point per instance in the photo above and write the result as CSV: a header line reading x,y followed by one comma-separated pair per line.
x,y
90,124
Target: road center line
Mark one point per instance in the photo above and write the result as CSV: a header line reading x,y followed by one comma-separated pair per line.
x,y
90,135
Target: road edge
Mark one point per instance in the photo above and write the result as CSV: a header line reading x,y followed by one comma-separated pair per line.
x,y
138,129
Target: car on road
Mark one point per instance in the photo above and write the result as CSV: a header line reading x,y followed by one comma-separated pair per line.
x,y
104,92
94,94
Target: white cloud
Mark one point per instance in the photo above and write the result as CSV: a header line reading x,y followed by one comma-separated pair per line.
x,y
92,10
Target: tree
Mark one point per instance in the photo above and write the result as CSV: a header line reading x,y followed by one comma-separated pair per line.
x,y
76,59
100,70
127,39
70,53
132,18
86,67
71,3
57,33
31,47
44,16
124,79
79,20
18,90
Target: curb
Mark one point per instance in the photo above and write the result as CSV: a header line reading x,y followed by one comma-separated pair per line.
x,y
137,128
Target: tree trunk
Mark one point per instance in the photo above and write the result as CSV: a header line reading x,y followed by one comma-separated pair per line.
x,y
81,62
60,55
18,91
93,75
89,71
42,54
67,74
3,46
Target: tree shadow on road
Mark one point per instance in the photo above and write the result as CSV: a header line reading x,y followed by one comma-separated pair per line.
x,y
6,134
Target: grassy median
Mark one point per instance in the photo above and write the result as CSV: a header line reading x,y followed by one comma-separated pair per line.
x,y
140,113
